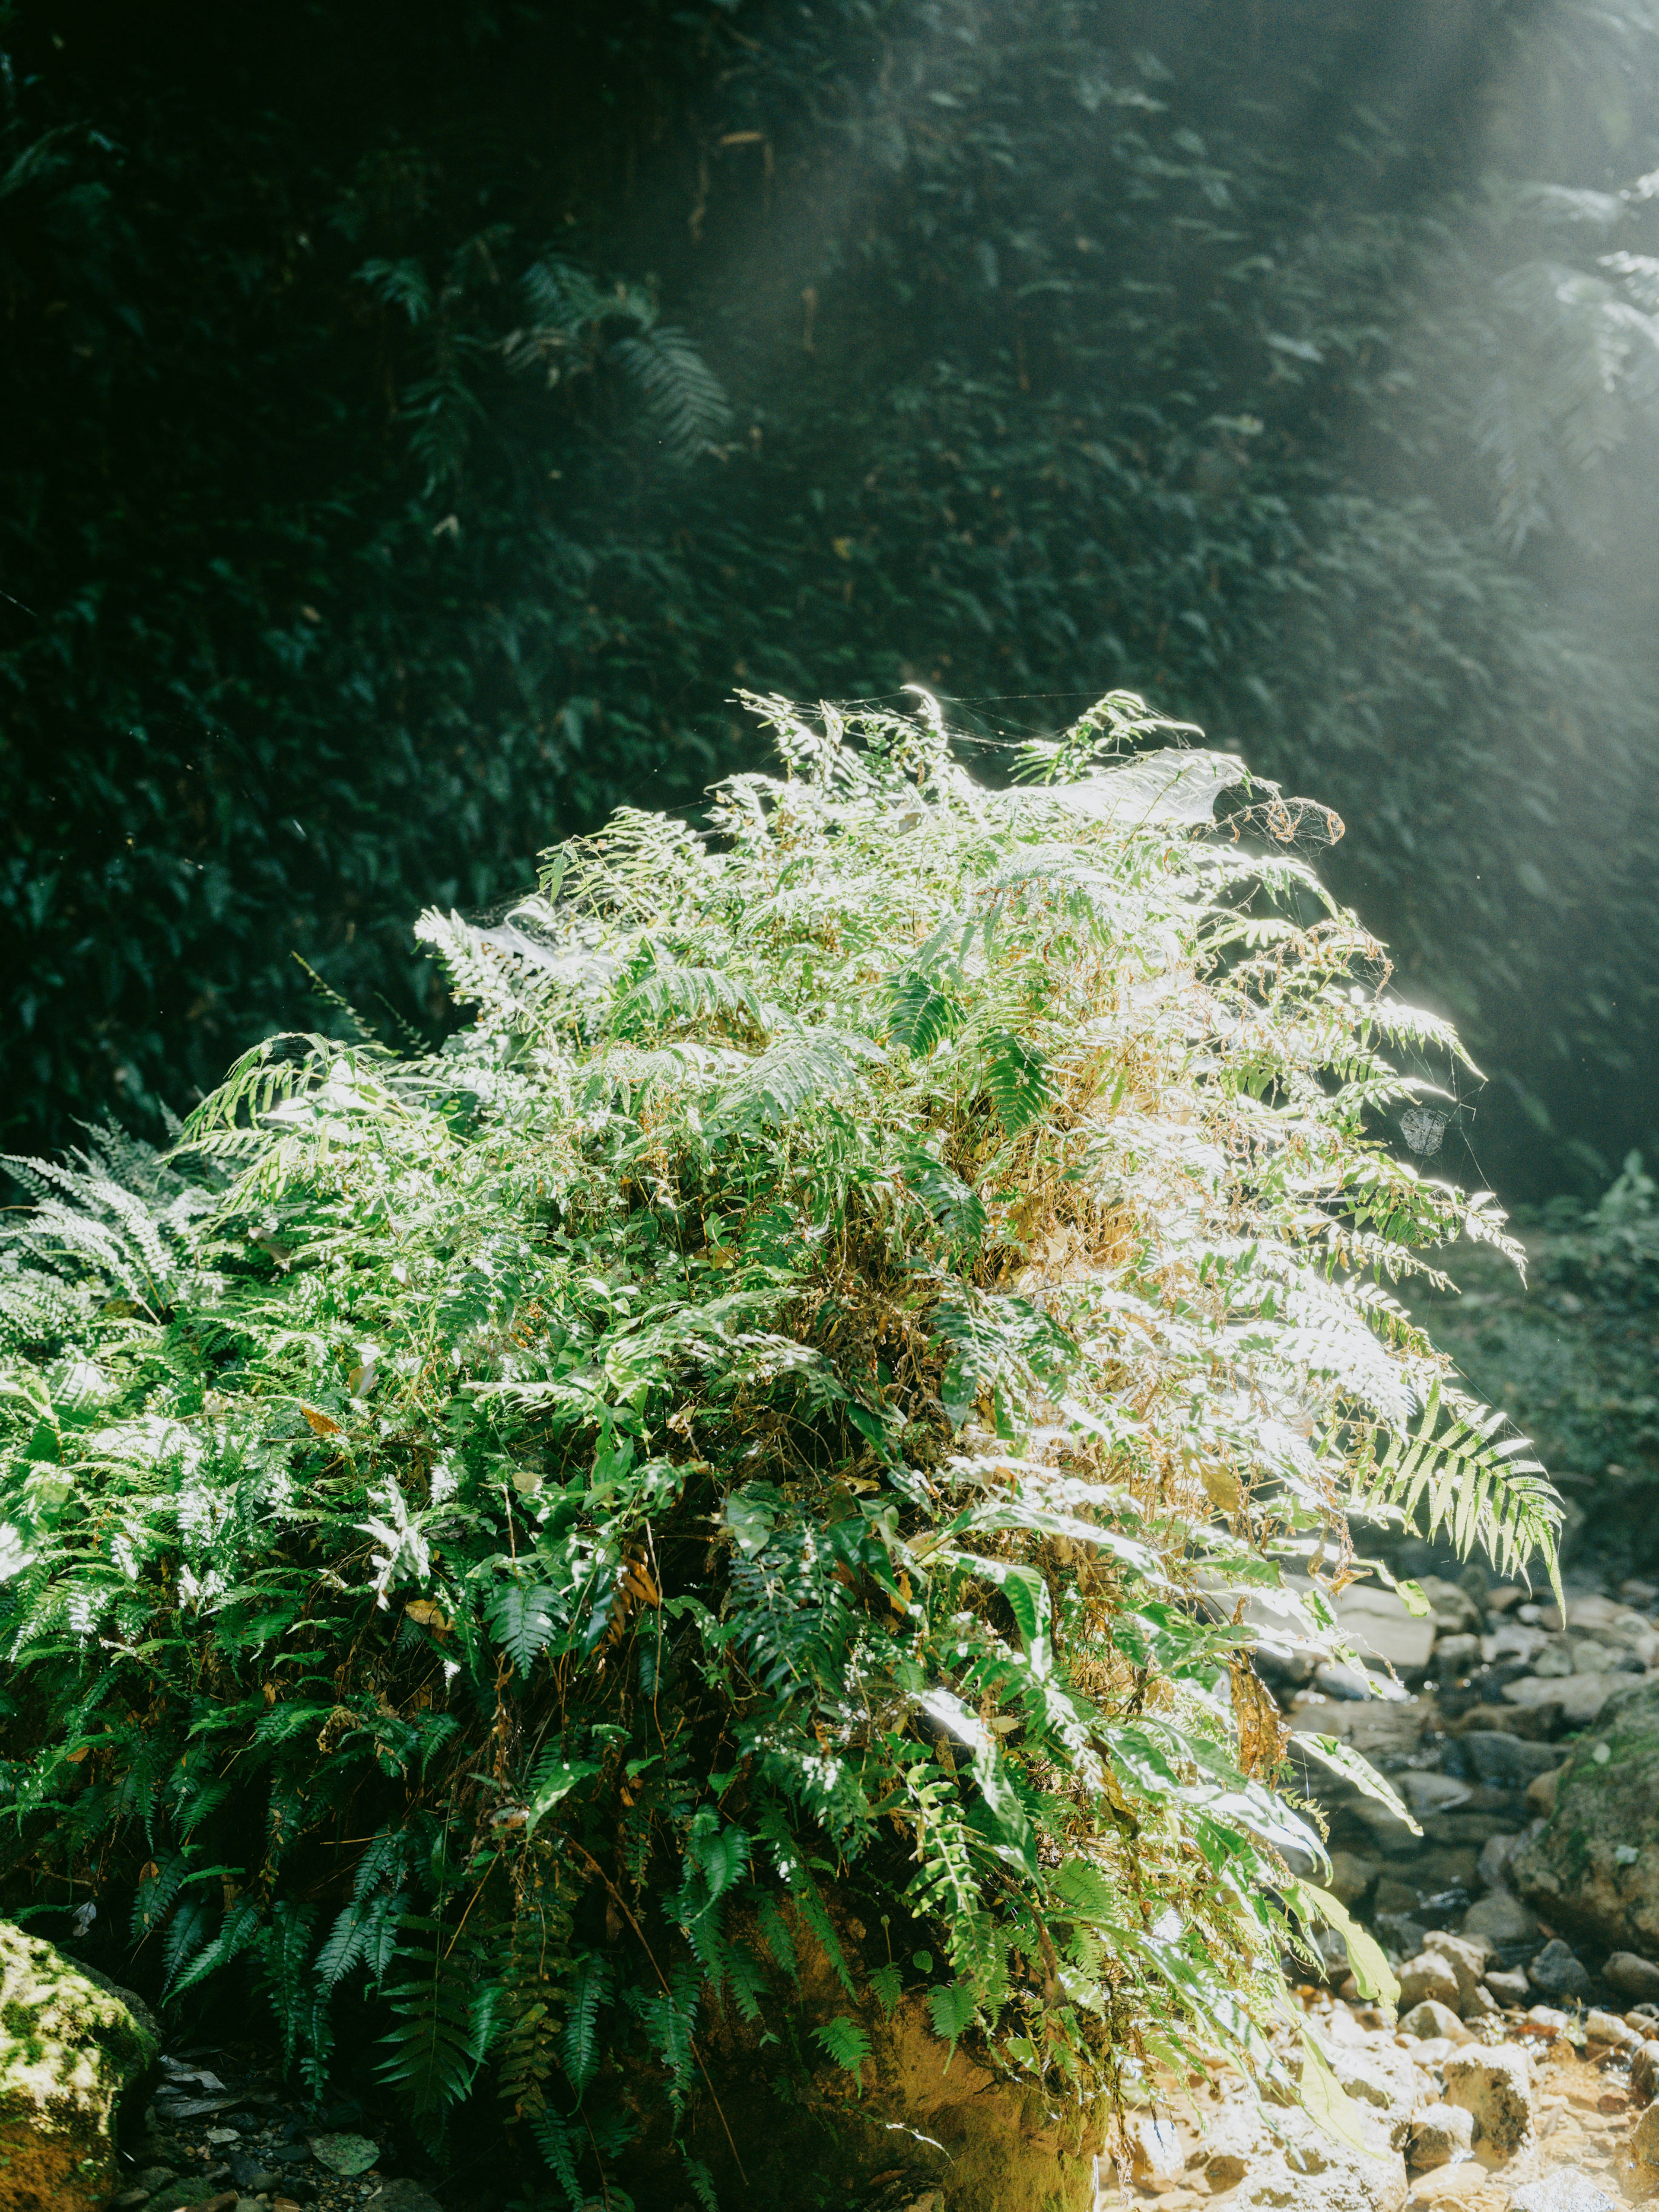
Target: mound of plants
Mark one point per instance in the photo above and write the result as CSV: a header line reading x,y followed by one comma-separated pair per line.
x,y
752,1462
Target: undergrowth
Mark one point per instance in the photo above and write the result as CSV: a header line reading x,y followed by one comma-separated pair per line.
x,y
786,1408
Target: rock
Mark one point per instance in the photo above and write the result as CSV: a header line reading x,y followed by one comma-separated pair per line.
x,y
1493,1871
1402,1933
1508,1985
1526,1724
1566,2189
1456,1656
1466,2183
1429,1978
1558,1973
1347,1684
405,2197
1351,1877
251,2175
1427,1792
1553,1664
1541,1792
1544,2023
1453,1609
1635,1977
1313,2172
1605,2031
1384,2079
187,2197
1580,1697
1466,1956
1495,2087
1507,1762
1378,1626
1439,2134
67,2048
1644,2073
1616,1625
1501,1916
148,2025
1594,1868
1381,1728
1430,2019
345,2153
1645,2138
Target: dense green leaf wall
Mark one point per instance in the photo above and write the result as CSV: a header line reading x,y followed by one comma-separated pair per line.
x,y
373,516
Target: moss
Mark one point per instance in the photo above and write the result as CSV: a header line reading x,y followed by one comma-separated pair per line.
x,y
69,2049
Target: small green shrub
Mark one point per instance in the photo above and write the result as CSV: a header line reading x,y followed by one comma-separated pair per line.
x,y
786,1408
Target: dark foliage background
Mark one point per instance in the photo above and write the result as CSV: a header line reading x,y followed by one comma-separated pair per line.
x,y
372,515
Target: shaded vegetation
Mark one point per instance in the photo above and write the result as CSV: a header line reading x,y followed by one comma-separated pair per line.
x,y
373,515
1573,1355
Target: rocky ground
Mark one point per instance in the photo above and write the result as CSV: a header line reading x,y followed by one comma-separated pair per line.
x,y
1522,1918
230,2142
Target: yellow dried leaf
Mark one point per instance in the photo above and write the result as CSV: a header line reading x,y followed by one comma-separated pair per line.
x,y
1262,1734
323,1425
429,1615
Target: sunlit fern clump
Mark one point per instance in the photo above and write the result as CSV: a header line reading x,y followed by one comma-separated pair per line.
x,y
764,1438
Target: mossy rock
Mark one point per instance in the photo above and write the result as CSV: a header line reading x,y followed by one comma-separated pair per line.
x,y
1594,1868
67,2048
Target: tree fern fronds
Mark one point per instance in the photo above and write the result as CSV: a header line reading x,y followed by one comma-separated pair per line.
x,y
686,406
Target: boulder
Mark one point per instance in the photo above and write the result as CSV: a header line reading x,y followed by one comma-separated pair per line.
x,y
1645,2074
67,2048
1501,1917
1494,2086
1431,2020
1579,1698
1440,2133
1558,1973
1593,1869
1644,2140
1634,1977
1565,2189
1429,1976
1456,1656
1507,1762
1313,2172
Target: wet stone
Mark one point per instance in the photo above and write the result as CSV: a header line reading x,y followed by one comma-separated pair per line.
x,y
1559,1972
1632,1975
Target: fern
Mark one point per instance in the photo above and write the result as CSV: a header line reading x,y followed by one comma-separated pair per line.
x,y
845,2043
749,1418
437,2044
